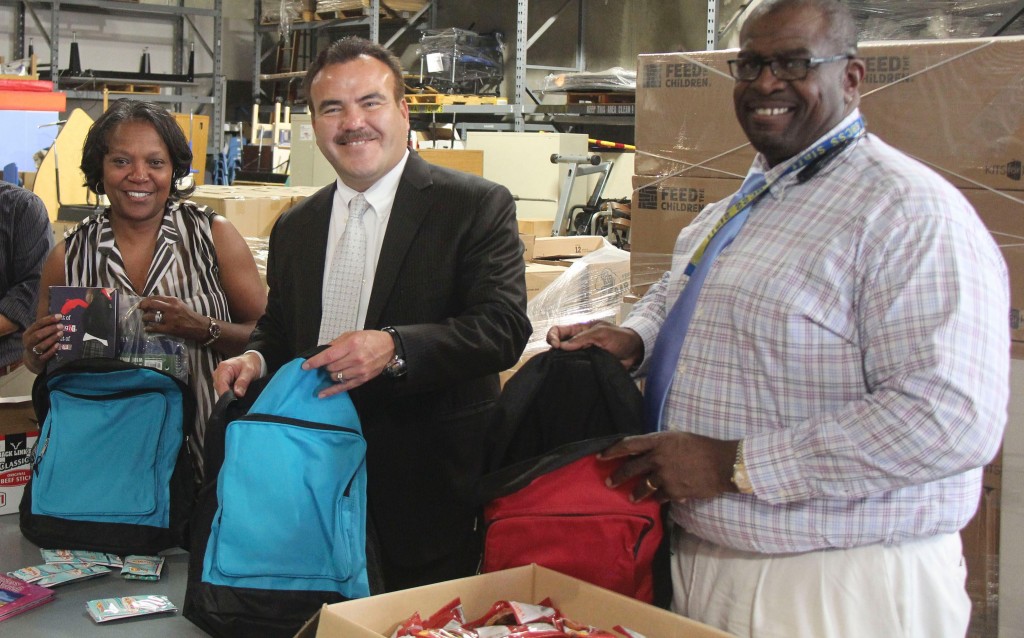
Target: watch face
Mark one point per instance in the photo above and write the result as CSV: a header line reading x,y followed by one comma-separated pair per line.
x,y
394,368
214,329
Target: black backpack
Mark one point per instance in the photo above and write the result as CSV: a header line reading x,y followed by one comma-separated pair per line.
x,y
111,471
544,496
280,526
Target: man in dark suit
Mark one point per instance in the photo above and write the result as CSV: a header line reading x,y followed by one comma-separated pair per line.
x,y
440,310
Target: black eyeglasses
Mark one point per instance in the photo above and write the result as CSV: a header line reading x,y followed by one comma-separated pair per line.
x,y
749,69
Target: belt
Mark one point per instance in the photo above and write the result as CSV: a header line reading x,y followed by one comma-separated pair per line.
x,y
10,367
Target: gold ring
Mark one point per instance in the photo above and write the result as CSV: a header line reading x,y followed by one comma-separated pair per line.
x,y
339,376
651,486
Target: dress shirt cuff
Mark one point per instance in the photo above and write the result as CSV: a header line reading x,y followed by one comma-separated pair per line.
x,y
774,469
648,331
263,362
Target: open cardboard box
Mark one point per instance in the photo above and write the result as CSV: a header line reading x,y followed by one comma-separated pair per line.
x,y
377,616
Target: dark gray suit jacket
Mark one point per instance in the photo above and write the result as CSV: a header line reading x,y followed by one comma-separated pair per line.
x,y
450,279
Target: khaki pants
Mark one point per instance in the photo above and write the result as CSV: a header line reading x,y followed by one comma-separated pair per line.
x,y
911,590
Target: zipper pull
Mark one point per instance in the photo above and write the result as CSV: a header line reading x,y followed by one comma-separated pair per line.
x,y
39,457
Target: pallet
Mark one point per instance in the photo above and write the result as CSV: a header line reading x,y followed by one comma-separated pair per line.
x,y
148,89
445,99
600,97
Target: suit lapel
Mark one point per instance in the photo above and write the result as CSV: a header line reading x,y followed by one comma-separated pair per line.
x,y
407,214
309,266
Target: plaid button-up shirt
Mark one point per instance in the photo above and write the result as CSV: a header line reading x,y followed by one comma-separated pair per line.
x,y
855,336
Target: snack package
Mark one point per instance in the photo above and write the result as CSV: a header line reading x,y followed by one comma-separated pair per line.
x,y
71,575
505,619
106,609
142,567
80,557
35,572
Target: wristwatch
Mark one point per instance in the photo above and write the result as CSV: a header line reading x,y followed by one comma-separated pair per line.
x,y
740,478
213,331
396,367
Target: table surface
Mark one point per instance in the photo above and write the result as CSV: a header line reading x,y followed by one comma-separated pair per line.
x,y
66,614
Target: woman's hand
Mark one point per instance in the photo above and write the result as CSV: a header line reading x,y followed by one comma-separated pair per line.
x,y
40,342
170,315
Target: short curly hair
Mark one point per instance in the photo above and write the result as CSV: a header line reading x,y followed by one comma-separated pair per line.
x,y
97,142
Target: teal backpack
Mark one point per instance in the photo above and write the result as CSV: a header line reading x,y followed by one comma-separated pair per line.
x,y
280,525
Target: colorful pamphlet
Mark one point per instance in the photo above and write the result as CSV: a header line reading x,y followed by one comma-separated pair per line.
x,y
17,596
89,317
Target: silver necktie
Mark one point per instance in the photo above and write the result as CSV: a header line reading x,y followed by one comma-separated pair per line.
x,y
345,281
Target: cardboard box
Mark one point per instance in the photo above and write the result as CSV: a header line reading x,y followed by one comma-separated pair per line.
x,y
527,241
19,432
540,227
461,160
540,276
251,209
1003,215
954,104
571,246
378,615
661,208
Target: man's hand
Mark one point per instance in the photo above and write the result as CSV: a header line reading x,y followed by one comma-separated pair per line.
x,y
675,466
353,359
237,373
625,344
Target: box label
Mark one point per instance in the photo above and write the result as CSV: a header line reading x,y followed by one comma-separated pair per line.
x,y
676,75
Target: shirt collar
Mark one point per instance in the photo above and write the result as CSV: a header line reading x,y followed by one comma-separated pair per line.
x,y
382,194
760,165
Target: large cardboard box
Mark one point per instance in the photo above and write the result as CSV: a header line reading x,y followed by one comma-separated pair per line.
x,y
661,208
957,105
251,209
19,431
378,615
540,276
570,246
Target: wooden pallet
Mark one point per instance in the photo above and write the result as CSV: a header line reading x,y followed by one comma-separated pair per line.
x,y
600,97
131,88
445,99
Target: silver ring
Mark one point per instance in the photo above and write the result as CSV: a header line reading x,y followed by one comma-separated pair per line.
x,y
35,350
158,316
651,486
339,377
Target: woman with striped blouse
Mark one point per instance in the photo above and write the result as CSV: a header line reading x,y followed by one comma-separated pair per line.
x,y
194,271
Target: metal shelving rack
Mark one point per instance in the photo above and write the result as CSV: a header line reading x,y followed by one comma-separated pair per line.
x,y
179,15
370,23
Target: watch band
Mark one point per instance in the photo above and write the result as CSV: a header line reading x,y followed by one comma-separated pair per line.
x,y
397,366
214,331
740,476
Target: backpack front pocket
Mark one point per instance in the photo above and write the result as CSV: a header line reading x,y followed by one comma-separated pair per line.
x,y
288,506
100,456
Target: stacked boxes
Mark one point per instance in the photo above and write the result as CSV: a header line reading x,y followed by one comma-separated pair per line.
x,y
251,209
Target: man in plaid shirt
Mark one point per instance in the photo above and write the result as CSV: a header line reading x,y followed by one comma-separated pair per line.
x,y
844,375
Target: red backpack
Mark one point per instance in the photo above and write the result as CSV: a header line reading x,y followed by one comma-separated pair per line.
x,y
545,499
